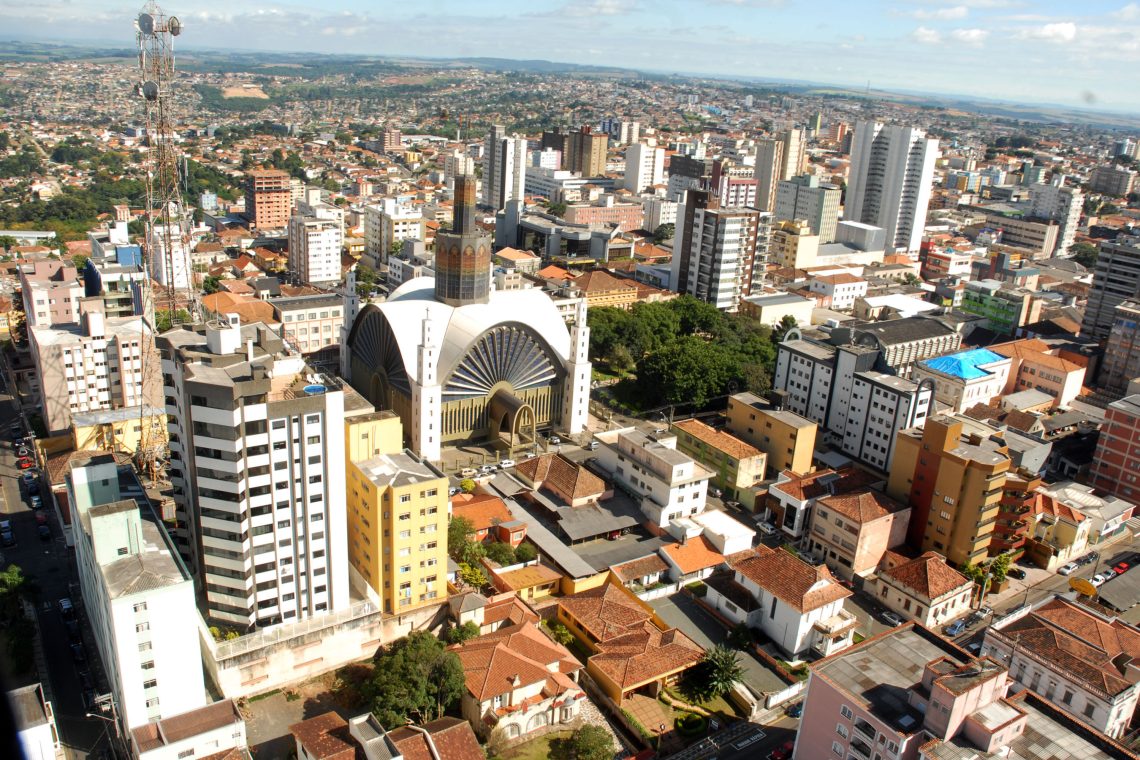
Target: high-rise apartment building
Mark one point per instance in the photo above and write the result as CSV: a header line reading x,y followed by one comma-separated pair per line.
x,y
733,185
1115,280
171,269
51,291
1116,464
803,197
458,163
953,483
268,198
387,223
769,172
1059,204
1114,180
393,140
99,365
795,146
889,184
1122,350
587,152
504,168
715,252
644,167
314,249
257,463
793,244
137,594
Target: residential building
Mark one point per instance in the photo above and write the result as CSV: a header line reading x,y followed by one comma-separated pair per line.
x,y
504,168
947,262
1116,463
793,244
268,198
839,290
1015,227
644,167
1106,513
311,324
1114,180
659,211
769,172
792,496
1004,308
794,153
953,484
607,210
665,483
1034,365
852,531
387,224
455,164
631,648
1059,204
168,254
587,152
889,184
214,731
773,308
738,466
519,681
924,589
257,463
522,261
137,595
1122,349
34,722
397,526
1074,656
1057,532
130,430
314,249
797,605
568,482
786,438
715,252
691,560
51,293
118,283
733,185
910,694
1115,280
803,197
99,365
961,380
331,737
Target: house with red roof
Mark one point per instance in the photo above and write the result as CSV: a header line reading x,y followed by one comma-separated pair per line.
x,y
924,589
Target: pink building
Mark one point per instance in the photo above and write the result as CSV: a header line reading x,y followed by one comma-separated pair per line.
x,y
52,293
852,531
628,216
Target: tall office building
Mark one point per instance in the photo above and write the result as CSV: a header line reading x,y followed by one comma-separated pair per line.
x,y
504,168
1122,350
257,462
1115,280
644,167
805,198
314,249
769,172
892,169
268,198
715,252
1125,147
1059,204
588,152
795,146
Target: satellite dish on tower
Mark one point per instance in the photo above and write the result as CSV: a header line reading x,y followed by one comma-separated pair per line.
x,y
174,25
146,23
149,89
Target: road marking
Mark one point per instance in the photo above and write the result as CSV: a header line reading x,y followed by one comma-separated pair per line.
x,y
743,743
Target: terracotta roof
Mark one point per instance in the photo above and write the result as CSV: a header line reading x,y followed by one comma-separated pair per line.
x,y
600,281
639,568
325,737
718,440
528,577
1034,351
452,738
694,555
861,506
494,662
248,308
646,654
1044,504
553,272
508,608
842,278
808,486
483,510
928,576
790,579
606,611
513,254
562,475
185,725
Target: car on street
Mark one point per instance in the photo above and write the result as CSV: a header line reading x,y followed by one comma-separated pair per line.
x,y
468,472
25,464
784,751
23,452
592,445
1109,573
954,628
487,469
1067,569
1098,580
505,463
767,528
974,619
73,632
453,491
28,478
555,440
1016,572
89,697
892,619
41,518
36,501
795,710
974,647
1120,567
7,538
984,610
44,532
66,608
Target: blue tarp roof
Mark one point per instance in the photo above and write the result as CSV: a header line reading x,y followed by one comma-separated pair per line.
x,y
964,364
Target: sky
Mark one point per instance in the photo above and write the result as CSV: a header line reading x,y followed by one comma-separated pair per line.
x,y
1071,52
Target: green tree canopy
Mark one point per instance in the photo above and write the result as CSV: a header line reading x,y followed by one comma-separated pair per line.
x,y
1084,254
501,553
664,232
689,370
416,679
717,672
590,742
462,633
459,533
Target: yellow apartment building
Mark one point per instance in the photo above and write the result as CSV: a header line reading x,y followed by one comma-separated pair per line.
x,y
738,465
786,438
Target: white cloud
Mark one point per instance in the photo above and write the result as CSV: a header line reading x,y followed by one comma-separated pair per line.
x,y
926,36
1064,31
594,8
1130,12
972,37
953,12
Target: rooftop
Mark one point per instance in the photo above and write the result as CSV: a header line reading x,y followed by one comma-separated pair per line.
x,y
718,440
185,725
965,365
397,470
803,586
928,576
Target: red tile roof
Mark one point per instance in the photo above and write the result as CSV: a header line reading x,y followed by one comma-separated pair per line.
x,y
483,510
694,555
718,440
639,568
861,506
562,475
518,655
1044,504
790,579
325,737
928,576
452,738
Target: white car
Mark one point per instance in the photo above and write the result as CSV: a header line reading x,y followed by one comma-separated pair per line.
x,y
487,469
767,528
468,472
505,463
555,440
1098,580
1067,569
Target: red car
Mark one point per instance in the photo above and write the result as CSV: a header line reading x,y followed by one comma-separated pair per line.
x,y
41,518
784,751
1120,567
25,464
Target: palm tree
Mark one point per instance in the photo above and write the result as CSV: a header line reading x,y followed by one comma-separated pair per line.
x,y
721,669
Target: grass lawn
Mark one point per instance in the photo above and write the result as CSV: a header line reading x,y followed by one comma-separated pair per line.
x,y
536,749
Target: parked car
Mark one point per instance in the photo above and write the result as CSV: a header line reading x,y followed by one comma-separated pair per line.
x,y
505,463
89,698
795,710
1109,573
716,493
453,491
1067,569
487,469
592,445
984,610
7,538
954,628
25,464
974,647
73,630
784,751
41,518
468,472
974,619
23,452
66,608
767,528
1098,580
1016,572
555,440
28,478
890,618
44,532
37,501
1120,567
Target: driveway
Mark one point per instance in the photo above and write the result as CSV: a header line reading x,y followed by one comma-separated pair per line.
x,y
682,612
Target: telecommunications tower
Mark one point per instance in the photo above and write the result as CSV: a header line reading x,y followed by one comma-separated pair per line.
x,y
167,224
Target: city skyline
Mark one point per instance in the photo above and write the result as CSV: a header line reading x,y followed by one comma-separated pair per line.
x,y
1049,52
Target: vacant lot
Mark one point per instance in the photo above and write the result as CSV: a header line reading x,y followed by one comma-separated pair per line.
x,y
242,91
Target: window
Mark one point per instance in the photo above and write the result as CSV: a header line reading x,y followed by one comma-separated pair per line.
x,y
186,753
140,607
845,711
841,730
150,684
149,665
144,646
404,499
1090,709
142,627
837,748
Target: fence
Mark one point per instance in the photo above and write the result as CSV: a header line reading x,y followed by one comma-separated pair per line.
x,y
658,592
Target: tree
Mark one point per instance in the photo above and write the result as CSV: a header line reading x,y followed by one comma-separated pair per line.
x,y
211,285
472,575
556,209
7,242
1084,254
740,636
559,633
467,485
415,679
525,553
664,232
365,281
500,552
459,532
164,320
999,566
689,370
721,670
787,323
462,633
590,742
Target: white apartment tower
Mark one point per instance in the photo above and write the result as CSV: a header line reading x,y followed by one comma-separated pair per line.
x,y
314,249
504,168
173,271
805,198
391,221
715,251
889,184
1060,204
257,464
644,167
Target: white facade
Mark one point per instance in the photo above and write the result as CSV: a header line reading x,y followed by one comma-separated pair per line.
x,y
717,260
962,392
841,290
644,167
879,407
504,168
176,272
258,512
457,164
659,211
220,728
314,249
667,483
391,221
138,598
889,185
1061,204
804,198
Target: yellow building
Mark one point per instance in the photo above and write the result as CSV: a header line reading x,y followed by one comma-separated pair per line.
x,y
953,483
738,465
119,430
397,516
793,244
786,438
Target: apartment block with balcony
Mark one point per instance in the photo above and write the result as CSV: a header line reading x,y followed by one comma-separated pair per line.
x,y
1004,308
268,199
786,438
257,464
52,292
1012,527
953,482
